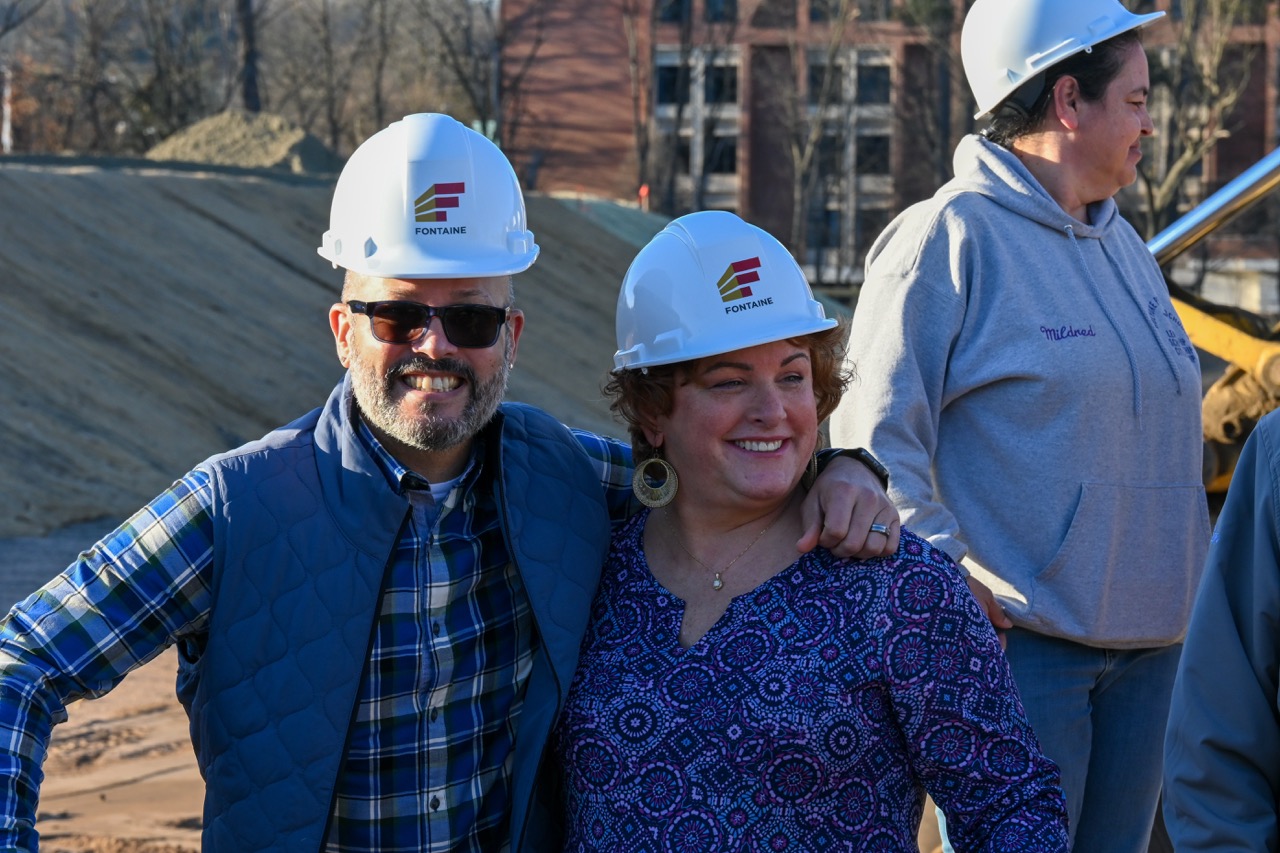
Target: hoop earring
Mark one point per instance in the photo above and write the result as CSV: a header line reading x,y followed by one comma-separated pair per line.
x,y
649,493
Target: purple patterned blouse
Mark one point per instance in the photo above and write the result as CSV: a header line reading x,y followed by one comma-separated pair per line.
x,y
813,716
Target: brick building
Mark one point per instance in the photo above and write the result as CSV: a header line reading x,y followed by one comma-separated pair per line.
x,y
701,103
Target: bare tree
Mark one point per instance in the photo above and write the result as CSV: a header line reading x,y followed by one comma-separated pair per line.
x,y
118,75
340,57
385,14
717,87
14,13
681,92
250,97
680,85
638,19
1197,81
344,69
936,102
465,33
818,117
99,92
470,37
527,27
319,52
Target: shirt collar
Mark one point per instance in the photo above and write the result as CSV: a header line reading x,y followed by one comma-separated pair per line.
x,y
400,478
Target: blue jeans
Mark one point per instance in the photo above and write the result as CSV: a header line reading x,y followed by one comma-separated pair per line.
x,y
1100,714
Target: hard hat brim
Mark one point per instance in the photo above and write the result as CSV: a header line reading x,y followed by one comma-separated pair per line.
x,y
635,359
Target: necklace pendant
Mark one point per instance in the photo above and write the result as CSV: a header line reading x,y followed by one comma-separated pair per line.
x,y
717,583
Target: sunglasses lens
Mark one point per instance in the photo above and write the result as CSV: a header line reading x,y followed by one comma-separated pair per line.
x,y
406,322
399,323
471,325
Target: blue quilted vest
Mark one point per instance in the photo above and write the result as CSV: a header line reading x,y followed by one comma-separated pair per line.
x,y
305,527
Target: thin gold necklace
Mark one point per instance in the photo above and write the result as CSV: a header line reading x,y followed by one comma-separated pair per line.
x,y
717,583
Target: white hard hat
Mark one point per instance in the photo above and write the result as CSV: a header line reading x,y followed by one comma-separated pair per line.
x,y
428,197
1005,43
711,283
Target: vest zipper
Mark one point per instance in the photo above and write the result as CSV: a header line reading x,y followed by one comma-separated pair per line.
x,y
364,672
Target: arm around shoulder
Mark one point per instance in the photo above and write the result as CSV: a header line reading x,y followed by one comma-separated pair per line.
x,y
612,460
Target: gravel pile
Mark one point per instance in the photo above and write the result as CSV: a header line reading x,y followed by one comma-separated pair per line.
x,y
260,141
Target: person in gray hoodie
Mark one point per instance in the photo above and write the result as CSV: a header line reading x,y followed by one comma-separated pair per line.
x,y
1025,377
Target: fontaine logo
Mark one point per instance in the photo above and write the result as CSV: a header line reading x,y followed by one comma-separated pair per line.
x,y
733,286
434,204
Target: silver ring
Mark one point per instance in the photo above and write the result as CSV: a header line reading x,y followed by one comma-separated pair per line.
x,y
880,528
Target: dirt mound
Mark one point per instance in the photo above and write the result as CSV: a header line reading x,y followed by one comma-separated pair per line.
x,y
155,317
251,140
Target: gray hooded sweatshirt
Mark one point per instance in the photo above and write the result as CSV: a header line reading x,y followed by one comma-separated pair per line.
x,y
1025,379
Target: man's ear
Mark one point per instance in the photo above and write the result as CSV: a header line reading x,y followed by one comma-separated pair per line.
x,y
340,324
515,325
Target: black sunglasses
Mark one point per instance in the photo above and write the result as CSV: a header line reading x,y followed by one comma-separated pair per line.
x,y
403,322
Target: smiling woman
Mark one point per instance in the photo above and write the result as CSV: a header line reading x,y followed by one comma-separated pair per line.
x,y
730,694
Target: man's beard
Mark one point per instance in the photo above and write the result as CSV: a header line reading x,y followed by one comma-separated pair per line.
x,y
376,394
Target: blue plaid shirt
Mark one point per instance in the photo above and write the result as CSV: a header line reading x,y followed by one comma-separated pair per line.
x,y
428,766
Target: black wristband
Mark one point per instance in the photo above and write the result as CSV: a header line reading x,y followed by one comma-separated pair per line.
x,y
858,454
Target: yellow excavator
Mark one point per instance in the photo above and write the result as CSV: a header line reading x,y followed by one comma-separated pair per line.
x,y
1250,344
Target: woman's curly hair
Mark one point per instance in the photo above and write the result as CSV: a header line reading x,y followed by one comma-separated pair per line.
x,y
639,396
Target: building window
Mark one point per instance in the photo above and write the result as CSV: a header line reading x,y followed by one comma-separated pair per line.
x,y
874,10
722,11
835,90
672,84
873,84
673,11
721,155
868,223
775,13
824,228
721,84
830,159
821,11
1254,12
871,155
683,160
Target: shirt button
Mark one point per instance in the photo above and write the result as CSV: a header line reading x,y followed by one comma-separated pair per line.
x,y
435,803
435,629
435,712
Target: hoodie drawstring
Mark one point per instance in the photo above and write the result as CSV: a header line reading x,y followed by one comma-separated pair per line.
x,y
1128,350
1162,342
